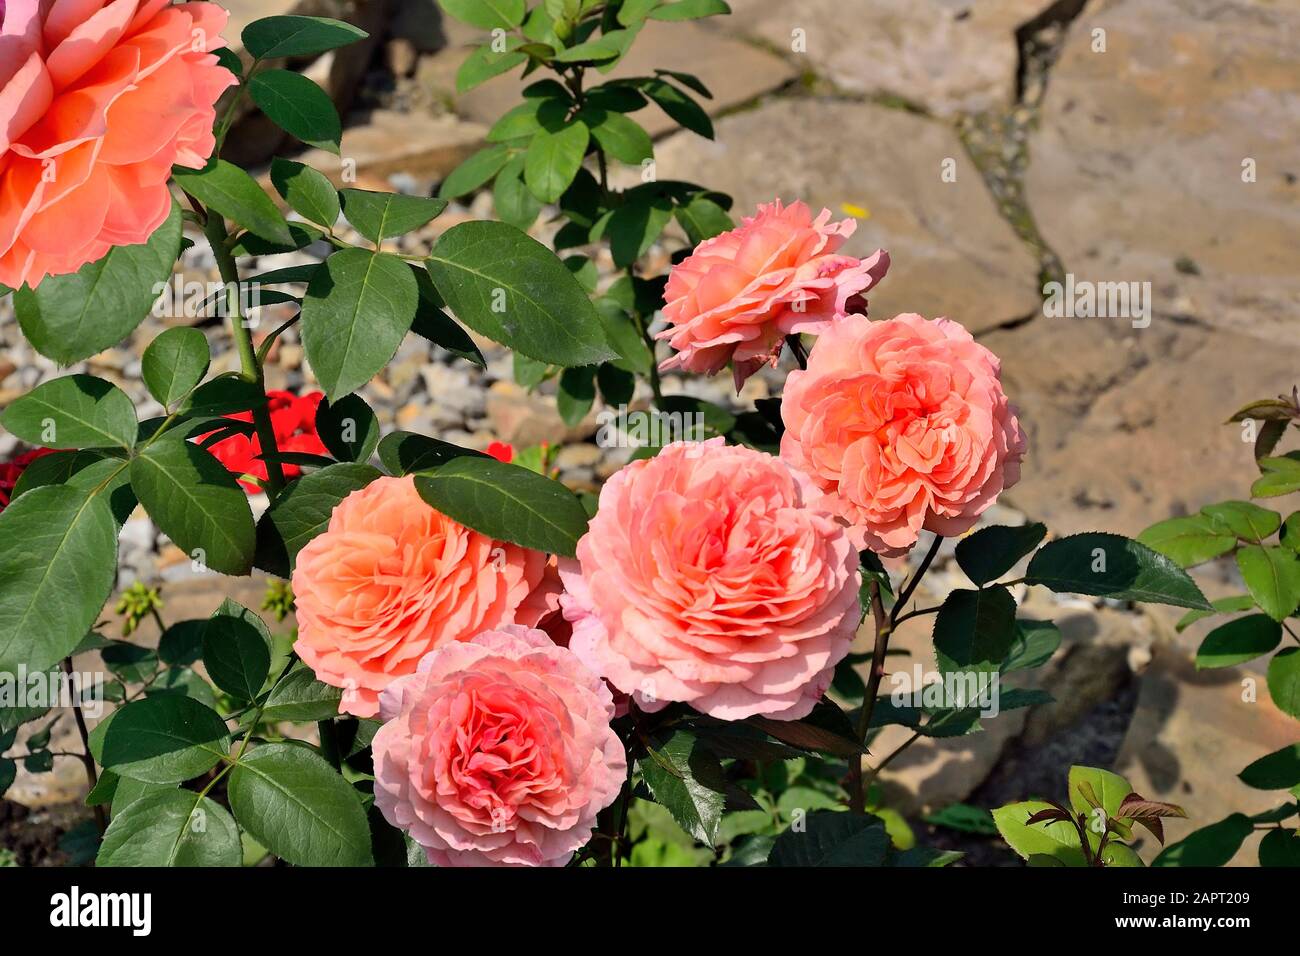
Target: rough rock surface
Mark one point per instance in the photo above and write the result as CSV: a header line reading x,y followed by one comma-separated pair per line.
x,y
947,56
952,253
1142,168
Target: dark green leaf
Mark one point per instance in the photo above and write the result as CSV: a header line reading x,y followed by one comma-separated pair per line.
x,y
182,643
236,654
196,502
825,730
511,288
620,137
1035,643
432,323
975,630
1239,641
358,308
76,411
507,503
379,216
702,218
165,739
405,453
577,394
299,696
348,428
1273,577
485,63
233,193
991,552
58,563
832,838
1280,848
306,191
1113,566
171,828
303,509
679,106
72,317
275,37
299,807
299,107
689,9
1214,845
687,780
553,160
1284,681
514,203
173,364
1279,770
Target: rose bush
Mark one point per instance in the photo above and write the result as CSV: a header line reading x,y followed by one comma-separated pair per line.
x,y
499,670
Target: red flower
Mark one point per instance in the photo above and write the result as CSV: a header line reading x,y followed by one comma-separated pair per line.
x,y
293,420
11,470
501,451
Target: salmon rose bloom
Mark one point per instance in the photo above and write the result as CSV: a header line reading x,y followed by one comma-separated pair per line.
x,y
902,426
704,578
390,580
738,295
98,99
498,752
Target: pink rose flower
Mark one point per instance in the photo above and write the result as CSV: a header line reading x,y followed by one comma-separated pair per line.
x,y
704,578
98,99
738,295
498,752
391,579
902,425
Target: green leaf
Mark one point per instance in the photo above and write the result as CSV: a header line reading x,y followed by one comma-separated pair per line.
x,y
300,808
679,106
303,509
634,227
533,114
1188,541
1120,854
174,363
975,630
486,14
1239,641
964,818
299,107
275,37
299,696
577,393
1284,681
553,160
196,502
1110,565
182,643
634,11
1245,520
1281,476
619,136
358,308
230,191
432,323
511,288
1110,789
991,552
507,503
702,218
164,739
306,190
825,730
832,838
72,317
1272,576
236,654
1280,847
689,10
1214,845
1034,645
686,778
1228,605
348,428
1058,840
171,828
405,453
1279,770
76,411
58,563
485,63
379,216
222,396
513,202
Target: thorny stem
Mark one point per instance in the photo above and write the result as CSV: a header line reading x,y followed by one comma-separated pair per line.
x,y
251,369
87,759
